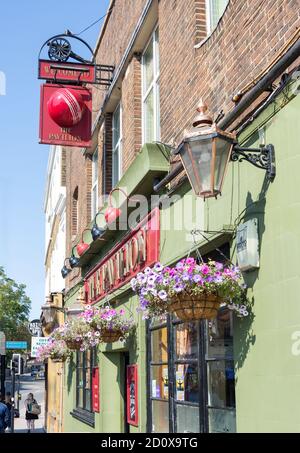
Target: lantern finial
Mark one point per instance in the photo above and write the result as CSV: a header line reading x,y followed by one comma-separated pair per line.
x,y
203,118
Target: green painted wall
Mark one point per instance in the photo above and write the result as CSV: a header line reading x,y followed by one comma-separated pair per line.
x,y
268,374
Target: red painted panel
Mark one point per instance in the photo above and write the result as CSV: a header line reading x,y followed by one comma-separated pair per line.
x,y
95,390
66,72
132,395
138,249
53,134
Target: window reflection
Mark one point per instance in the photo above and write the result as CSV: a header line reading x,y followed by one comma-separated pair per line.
x,y
221,391
159,345
186,341
159,381
220,335
187,384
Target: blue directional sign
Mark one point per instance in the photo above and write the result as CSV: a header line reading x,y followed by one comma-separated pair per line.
x,y
16,345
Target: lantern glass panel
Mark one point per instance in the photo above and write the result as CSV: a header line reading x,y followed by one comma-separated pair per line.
x,y
223,150
196,158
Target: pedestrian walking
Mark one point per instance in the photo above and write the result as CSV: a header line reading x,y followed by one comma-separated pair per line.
x,y
32,411
4,415
8,403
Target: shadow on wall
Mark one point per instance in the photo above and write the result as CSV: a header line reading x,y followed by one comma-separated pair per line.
x,y
246,337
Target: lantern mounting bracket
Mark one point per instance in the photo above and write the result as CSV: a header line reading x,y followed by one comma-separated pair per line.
x,y
263,158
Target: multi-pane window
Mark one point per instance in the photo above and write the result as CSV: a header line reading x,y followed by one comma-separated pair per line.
x,y
94,183
117,146
150,90
214,11
84,380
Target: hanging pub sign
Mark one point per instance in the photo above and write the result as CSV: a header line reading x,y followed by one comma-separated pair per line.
x,y
67,72
137,250
66,101
65,115
132,395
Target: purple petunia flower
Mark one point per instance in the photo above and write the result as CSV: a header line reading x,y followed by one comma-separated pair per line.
x,y
162,294
198,279
178,287
205,269
158,267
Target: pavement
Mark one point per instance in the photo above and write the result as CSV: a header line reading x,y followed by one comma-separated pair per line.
x,y
28,384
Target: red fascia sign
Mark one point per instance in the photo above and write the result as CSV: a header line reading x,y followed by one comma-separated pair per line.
x,y
132,395
67,72
137,250
95,390
74,103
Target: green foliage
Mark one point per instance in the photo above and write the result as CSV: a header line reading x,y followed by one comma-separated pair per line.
x,y
14,309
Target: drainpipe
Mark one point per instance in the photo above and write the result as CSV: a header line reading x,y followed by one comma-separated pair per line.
x,y
289,57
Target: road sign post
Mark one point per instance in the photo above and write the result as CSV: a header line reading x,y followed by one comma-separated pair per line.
x,y
2,362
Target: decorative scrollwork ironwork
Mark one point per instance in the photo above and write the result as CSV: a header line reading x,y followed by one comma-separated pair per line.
x,y
263,158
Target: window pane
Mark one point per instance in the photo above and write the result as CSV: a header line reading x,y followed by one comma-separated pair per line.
x,y
156,51
158,321
160,417
115,166
187,384
159,345
88,405
157,112
221,421
159,381
149,118
186,341
95,167
217,8
116,126
187,419
221,392
94,200
148,66
80,387
220,335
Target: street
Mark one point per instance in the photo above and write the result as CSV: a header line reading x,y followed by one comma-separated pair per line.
x,y
28,384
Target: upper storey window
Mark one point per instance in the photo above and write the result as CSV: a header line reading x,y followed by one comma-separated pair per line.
x,y
150,90
214,11
117,146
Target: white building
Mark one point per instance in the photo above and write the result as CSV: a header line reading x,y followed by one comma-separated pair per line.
x,y
55,220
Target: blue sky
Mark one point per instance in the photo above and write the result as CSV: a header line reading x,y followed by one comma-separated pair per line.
x,y
24,26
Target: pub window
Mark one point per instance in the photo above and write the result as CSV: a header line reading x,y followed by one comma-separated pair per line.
x,y
94,193
191,382
150,90
117,146
74,212
85,362
214,11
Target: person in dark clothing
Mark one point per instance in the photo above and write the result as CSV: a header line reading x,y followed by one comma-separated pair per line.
x,y
29,416
4,416
8,404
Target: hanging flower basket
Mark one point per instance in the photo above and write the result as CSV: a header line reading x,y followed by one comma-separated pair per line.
x,y
56,350
73,345
59,360
190,308
110,336
107,325
193,291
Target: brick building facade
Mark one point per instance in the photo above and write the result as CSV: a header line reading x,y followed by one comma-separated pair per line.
x,y
167,54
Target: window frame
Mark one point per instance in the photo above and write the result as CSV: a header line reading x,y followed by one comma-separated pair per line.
x,y
94,188
82,413
208,10
154,86
117,147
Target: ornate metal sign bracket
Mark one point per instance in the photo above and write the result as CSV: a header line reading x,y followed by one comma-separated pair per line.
x,y
263,158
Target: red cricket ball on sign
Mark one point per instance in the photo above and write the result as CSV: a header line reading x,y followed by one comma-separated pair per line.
x,y
66,107
66,115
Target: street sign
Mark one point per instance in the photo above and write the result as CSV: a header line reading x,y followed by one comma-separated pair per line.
x,y
16,344
36,342
2,343
35,327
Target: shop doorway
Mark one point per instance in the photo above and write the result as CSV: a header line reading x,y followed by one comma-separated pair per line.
x,y
191,386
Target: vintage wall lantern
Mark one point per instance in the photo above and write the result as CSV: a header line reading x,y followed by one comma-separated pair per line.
x,y
82,246
206,151
97,231
111,213
65,270
73,260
